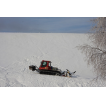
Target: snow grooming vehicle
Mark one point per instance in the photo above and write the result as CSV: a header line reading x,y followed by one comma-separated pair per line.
x,y
46,68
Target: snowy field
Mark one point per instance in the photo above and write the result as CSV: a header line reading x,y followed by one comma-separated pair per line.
x,y
19,50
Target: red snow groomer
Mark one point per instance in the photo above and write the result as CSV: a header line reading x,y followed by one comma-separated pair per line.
x,y
46,68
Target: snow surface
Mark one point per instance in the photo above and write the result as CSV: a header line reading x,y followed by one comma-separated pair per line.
x,y
19,50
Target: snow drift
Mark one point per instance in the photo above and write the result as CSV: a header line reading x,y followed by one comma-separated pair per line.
x,y
19,50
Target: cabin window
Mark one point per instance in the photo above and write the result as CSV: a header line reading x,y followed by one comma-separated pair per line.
x,y
44,64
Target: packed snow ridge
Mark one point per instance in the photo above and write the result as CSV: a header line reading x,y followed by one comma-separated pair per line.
x,y
20,50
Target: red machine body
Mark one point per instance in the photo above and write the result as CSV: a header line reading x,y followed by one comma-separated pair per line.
x,y
45,65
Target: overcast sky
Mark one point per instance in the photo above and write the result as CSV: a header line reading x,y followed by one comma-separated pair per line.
x,y
46,24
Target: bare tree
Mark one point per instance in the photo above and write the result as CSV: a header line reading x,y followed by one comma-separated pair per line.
x,y
96,55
